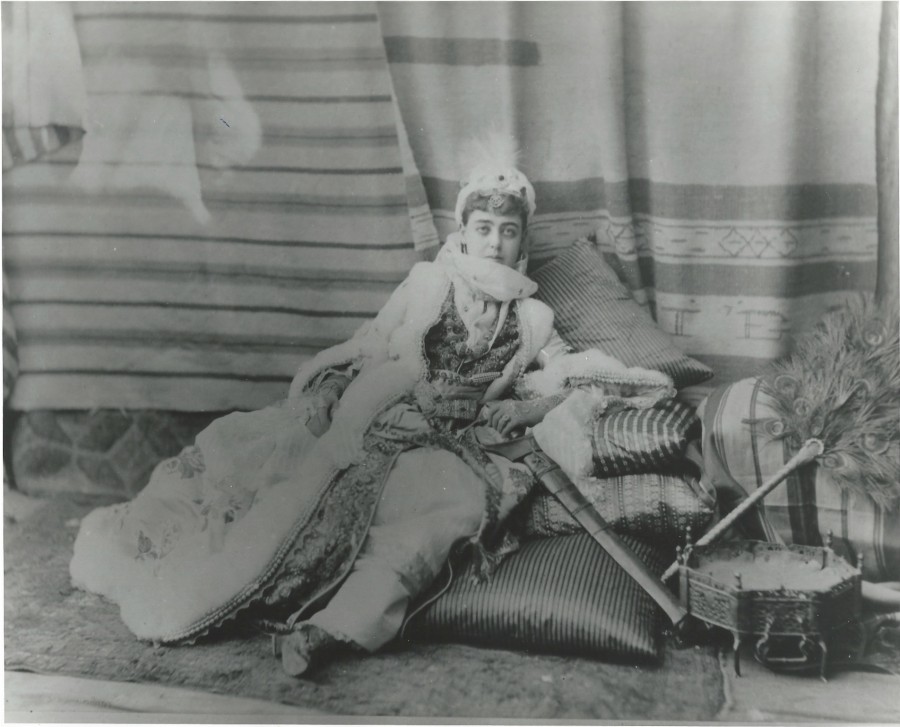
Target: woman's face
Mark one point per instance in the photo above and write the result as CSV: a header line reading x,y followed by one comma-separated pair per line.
x,y
495,237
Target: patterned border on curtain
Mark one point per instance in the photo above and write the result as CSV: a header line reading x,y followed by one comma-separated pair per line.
x,y
724,152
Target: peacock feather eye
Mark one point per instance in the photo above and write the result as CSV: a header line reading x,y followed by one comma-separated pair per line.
x,y
863,389
787,385
834,461
874,443
774,427
874,333
802,406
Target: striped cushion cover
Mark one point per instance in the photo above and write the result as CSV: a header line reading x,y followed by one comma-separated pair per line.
x,y
643,440
595,310
560,595
654,506
808,504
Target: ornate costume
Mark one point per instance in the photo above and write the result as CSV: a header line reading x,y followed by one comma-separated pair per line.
x,y
262,518
260,513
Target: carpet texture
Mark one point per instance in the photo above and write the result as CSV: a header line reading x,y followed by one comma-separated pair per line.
x,y
50,627
109,452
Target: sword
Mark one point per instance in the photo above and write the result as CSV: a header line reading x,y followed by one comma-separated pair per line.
x,y
554,480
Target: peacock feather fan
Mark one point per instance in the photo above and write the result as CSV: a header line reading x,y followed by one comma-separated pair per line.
x,y
842,386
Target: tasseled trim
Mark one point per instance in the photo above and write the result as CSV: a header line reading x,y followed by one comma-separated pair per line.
x,y
486,559
590,368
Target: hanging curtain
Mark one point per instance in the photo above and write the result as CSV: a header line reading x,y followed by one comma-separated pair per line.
x,y
43,85
255,178
236,204
887,155
722,152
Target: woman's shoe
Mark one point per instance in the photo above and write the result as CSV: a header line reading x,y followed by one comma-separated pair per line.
x,y
303,648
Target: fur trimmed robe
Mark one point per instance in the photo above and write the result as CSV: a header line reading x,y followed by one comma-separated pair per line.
x,y
259,513
389,353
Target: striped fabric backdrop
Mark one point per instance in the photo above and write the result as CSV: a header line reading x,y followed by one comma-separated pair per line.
x,y
725,152
10,348
256,177
148,281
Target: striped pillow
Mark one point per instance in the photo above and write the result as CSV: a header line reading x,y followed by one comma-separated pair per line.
x,y
560,595
643,440
657,507
595,310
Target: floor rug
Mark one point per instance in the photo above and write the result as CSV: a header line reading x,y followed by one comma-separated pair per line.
x,y
52,628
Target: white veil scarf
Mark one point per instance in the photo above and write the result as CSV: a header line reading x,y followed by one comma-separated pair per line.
x,y
484,280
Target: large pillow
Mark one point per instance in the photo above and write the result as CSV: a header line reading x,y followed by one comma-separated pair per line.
x,y
656,507
643,440
560,595
738,458
595,310
585,443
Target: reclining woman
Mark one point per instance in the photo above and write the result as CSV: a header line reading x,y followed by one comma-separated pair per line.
x,y
330,511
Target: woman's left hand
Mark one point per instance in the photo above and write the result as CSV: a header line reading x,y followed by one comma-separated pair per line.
x,y
510,414
320,421
504,416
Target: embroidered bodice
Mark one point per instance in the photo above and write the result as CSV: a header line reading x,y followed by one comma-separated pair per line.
x,y
447,350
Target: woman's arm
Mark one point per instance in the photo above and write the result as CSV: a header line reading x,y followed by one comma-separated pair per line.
x,y
369,342
324,380
327,391
508,415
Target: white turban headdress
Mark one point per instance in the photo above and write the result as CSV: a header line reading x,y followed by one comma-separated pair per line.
x,y
493,172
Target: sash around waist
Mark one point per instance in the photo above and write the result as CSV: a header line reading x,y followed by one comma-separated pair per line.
x,y
451,396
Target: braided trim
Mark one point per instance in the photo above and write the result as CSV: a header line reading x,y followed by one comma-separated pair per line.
x,y
247,595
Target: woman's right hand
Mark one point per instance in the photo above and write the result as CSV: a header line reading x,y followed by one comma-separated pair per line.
x,y
320,421
505,416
